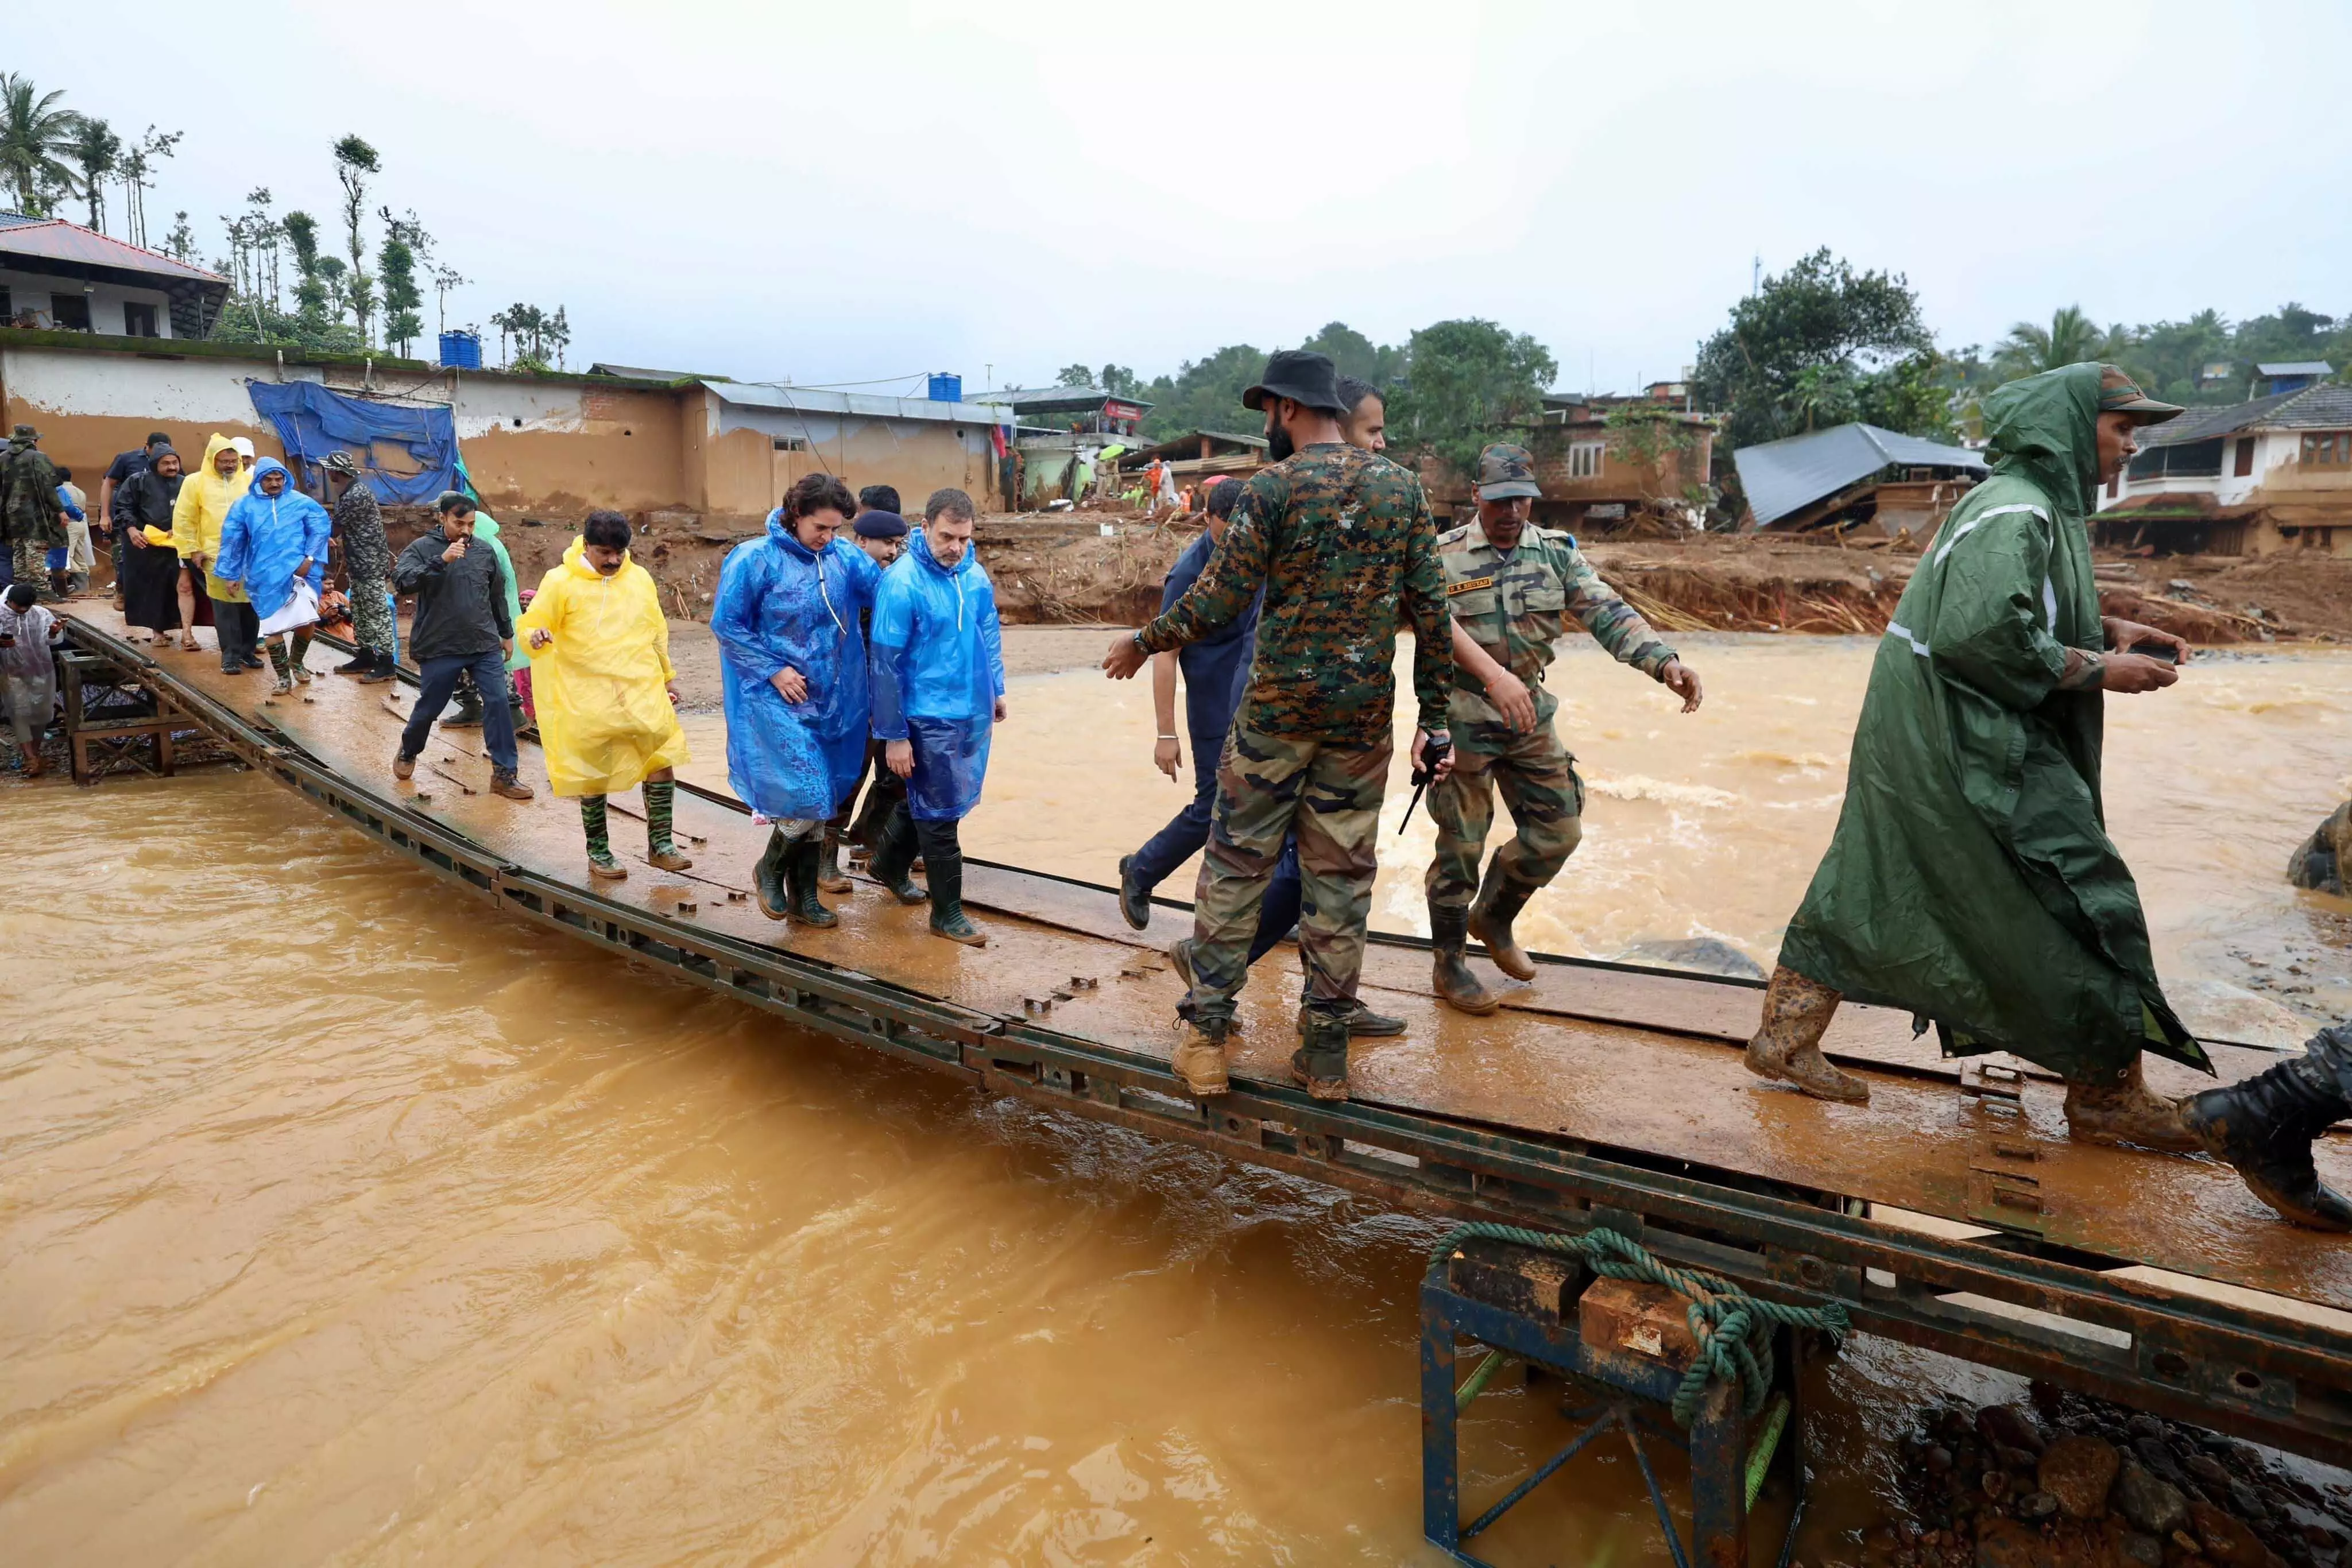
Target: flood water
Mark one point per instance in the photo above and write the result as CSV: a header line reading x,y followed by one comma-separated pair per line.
x,y
342,1222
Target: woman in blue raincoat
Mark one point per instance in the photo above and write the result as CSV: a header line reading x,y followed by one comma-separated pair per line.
x,y
938,664
791,661
273,538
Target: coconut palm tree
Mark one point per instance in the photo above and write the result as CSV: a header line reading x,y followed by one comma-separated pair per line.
x,y
2071,339
36,138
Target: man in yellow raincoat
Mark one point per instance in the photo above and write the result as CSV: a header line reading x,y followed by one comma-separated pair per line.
x,y
197,521
604,688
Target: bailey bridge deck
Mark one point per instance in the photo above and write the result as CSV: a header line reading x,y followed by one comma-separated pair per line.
x,y
1951,1212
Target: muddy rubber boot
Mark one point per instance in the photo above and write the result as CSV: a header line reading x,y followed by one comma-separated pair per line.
x,y
2127,1113
1199,1059
767,877
470,710
894,852
800,886
1319,1065
944,866
1457,987
1797,1013
359,663
828,864
382,668
2264,1126
1500,899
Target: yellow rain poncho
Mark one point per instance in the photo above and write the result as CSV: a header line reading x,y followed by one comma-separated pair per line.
x,y
604,718
203,506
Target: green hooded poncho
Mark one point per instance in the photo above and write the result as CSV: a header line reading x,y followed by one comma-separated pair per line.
x,y
1971,880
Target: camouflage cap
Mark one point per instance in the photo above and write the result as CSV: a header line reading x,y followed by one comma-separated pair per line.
x,y
1506,471
27,432
2119,394
338,462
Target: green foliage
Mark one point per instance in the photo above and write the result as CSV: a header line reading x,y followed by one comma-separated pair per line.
x,y
402,239
1119,381
180,245
37,137
1356,355
99,150
1467,383
2071,339
256,321
301,231
1654,437
1917,395
1205,394
355,161
1074,376
539,339
1806,349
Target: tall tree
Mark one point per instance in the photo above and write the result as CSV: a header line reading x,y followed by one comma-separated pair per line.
x,y
1467,383
1356,355
137,164
99,152
311,287
446,279
403,238
37,137
1075,376
2071,339
180,245
1205,394
356,162
1820,316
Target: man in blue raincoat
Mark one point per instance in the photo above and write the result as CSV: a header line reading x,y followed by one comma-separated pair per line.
x,y
274,537
938,664
793,672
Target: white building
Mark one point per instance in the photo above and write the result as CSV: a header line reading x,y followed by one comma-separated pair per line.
x,y
2253,478
57,275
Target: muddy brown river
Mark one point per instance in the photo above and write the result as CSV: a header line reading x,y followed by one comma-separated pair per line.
x,y
343,1223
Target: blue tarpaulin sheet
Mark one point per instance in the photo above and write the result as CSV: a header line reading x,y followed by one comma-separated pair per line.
x,y
313,423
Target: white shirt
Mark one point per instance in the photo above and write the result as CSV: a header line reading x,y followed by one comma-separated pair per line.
x,y
29,660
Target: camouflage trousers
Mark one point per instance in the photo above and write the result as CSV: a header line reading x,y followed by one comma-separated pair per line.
x,y
373,627
30,561
1269,785
1537,781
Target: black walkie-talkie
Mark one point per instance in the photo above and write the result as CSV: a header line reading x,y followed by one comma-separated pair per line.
x,y
1424,767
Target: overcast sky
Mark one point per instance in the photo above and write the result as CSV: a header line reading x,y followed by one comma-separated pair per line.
x,y
841,193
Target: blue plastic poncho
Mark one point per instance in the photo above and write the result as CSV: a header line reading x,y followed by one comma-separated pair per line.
x,y
265,538
938,664
780,606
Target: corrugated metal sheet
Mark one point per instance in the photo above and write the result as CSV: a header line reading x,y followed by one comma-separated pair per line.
x,y
1785,477
2296,367
54,239
810,400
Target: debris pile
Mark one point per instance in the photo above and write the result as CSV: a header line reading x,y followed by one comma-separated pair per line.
x,y
2074,1482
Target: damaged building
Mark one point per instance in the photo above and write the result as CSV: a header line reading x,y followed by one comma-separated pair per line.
x,y
2253,479
1854,477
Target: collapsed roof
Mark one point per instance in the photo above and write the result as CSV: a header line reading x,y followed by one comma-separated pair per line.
x,y
1785,477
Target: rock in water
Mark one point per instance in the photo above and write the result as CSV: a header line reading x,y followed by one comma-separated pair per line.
x,y
2147,1502
2006,1427
1704,953
2078,1471
2318,863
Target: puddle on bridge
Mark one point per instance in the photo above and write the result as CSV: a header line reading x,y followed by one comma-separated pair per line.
x,y
344,1222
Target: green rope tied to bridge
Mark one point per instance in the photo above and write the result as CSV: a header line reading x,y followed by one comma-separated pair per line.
x,y
1734,1329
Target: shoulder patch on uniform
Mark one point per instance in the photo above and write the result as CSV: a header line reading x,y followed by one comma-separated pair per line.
x,y
1470,585
1456,532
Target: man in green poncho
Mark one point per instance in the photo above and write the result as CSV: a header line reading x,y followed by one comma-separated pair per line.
x,y
1971,881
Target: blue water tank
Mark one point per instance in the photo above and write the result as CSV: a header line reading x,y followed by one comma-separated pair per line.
x,y
461,351
946,389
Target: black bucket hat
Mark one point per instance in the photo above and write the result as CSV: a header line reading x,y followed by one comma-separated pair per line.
x,y
1307,379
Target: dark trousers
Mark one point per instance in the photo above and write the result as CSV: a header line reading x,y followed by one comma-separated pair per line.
x,y
240,627
437,680
1188,831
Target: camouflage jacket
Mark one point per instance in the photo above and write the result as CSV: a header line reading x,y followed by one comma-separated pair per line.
x,y
367,553
1516,607
30,512
1344,544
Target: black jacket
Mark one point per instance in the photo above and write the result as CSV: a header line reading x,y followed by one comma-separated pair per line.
x,y
144,500
461,605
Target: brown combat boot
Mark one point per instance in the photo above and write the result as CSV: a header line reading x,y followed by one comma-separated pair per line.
x,y
1500,899
2127,1112
1788,1046
1457,986
1199,1061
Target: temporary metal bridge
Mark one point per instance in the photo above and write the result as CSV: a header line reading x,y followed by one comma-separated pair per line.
x,y
1950,1213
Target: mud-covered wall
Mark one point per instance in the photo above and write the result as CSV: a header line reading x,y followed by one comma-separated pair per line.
x,y
89,407
567,450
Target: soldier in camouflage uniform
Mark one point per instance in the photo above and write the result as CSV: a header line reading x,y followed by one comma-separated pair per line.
x,y
1512,589
1345,547
367,559
32,518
